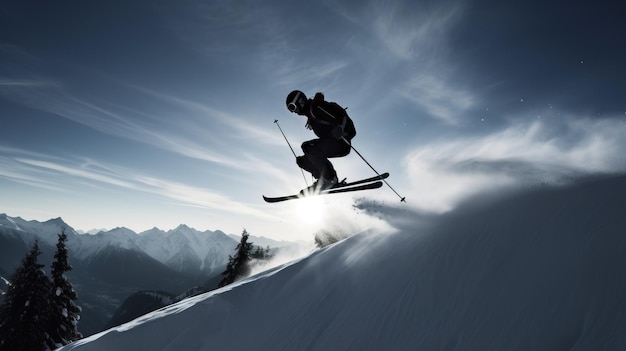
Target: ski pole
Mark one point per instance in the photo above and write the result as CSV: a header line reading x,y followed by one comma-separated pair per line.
x,y
402,198
293,152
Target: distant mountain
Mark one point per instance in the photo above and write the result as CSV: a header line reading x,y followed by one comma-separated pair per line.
x,y
185,249
263,241
91,231
45,231
133,269
110,266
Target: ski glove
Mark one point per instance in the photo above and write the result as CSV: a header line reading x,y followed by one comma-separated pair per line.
x,y
338,132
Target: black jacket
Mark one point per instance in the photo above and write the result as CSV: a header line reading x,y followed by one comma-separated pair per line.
x,y
324,117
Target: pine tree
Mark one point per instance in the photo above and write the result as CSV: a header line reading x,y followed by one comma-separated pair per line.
x,y
238,265
259,253
64,313
24,311
262,254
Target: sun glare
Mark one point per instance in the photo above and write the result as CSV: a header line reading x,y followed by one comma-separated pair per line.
x,y
310,209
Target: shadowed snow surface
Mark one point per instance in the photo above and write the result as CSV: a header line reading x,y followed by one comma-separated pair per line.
x,y
541,270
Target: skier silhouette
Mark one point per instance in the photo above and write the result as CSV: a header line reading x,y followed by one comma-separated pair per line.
x,y
334,130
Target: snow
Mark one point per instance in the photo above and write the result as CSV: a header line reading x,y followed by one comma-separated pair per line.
x,y
46,231
540,270
87,245
211,249
15,226
4,286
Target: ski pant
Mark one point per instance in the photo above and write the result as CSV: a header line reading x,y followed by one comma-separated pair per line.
x,y
316,154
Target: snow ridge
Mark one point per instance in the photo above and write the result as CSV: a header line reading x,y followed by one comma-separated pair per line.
x,y
45,231
541,270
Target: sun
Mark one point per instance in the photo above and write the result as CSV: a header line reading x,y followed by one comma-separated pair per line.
x,y
310,209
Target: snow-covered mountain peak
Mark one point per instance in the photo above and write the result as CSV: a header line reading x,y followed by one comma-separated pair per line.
x,y
182,244
121,231
86,245
93,231
9,222
56,221
45,231
182,228
153,231
120,237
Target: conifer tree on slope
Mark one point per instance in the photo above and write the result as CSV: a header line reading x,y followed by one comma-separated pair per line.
x,y
24,311
238,266
64,313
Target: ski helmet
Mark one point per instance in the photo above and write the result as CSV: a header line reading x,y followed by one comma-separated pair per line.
x,y
295,101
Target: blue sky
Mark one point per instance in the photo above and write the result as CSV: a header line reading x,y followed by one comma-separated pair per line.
x,y
154,113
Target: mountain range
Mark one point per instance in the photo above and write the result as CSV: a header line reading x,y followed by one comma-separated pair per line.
x,y
111,266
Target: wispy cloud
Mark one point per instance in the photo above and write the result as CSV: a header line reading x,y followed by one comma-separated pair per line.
x,y
306,73
219,31
438,98
51,96
445,172
198,114
205,133
24,83
270,40
15,171
407,50
199,197
76,172
63,174
12,171
411,31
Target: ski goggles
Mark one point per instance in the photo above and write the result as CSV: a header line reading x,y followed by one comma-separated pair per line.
x,y
293,105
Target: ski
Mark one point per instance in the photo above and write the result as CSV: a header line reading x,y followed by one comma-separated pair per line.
x,y
343,187
343,184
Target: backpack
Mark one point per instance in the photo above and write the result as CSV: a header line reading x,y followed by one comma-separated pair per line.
x,y
349,130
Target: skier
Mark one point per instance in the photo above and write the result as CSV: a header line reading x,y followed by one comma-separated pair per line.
x,y
334,129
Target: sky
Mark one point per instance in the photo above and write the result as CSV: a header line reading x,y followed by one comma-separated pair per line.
x,y
156,113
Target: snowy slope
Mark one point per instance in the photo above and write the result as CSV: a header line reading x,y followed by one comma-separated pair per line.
x,y
544,270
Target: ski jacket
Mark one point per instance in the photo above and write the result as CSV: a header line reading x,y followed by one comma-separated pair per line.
x,y
324,117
